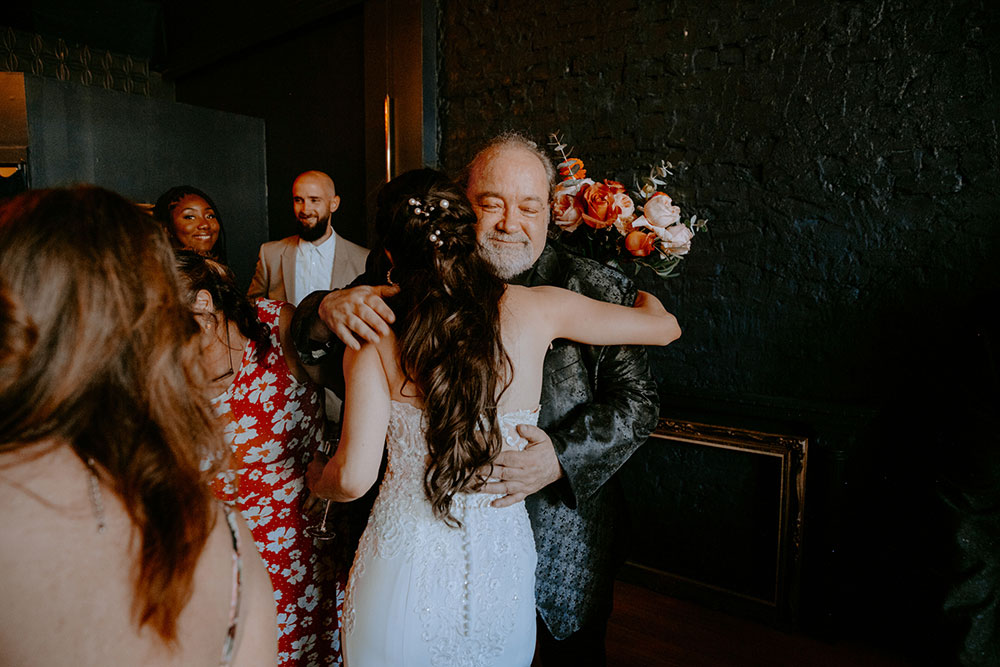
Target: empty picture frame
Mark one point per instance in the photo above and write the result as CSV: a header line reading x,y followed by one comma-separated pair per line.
x,y
716,515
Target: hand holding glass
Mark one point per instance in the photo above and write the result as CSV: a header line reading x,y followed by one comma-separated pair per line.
x,y
320,531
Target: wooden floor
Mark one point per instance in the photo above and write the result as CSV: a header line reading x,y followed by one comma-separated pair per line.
x,y
652,630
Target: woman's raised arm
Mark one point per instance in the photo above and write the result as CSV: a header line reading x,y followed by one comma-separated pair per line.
x,y
354,466
579,318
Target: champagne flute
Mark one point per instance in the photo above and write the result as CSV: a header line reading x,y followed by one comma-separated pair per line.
x,y
320,531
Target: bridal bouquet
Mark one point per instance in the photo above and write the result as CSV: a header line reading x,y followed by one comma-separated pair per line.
x,y
603,222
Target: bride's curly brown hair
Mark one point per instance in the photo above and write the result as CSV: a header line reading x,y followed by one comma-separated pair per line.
x,y
448,327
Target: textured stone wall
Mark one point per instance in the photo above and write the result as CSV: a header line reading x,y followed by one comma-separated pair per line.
x,y
846,154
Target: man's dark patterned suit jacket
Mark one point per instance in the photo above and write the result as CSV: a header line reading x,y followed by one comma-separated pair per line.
x,y
599,404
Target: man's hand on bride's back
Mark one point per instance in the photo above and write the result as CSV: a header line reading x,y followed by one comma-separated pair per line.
x,y
358,313
516,474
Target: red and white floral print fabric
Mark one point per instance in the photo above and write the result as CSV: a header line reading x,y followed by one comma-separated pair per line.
x,y
273,423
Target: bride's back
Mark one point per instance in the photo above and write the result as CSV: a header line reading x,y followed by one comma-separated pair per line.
x,y
524,341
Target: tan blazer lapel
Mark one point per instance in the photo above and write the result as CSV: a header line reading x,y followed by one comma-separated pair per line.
x,y
288,268
343,269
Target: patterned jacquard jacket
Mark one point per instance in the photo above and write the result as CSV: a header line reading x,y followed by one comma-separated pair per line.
x,y
599,404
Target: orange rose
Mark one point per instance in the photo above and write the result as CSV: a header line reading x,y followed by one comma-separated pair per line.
x,y
639,243
599,206
615,187
566,169
605,204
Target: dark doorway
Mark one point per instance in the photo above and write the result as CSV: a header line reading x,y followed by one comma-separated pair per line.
x,y
308,86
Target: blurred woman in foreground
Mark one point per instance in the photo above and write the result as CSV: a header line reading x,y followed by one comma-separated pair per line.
x,y
114,551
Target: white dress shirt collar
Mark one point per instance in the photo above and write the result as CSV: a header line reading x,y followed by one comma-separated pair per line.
x,y
313,267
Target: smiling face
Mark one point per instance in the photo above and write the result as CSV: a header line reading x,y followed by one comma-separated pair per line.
x,y
314,200
509,190
195,223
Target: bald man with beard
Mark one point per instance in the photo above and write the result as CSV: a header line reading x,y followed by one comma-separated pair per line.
x,y
317,258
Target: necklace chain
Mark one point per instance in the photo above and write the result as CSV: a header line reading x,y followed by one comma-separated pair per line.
x,y
96,498
229,352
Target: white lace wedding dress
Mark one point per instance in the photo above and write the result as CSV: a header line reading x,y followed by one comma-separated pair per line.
x,y
423,593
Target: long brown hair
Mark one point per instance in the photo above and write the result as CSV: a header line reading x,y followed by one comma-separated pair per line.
x,y
99,352
204,273
448,327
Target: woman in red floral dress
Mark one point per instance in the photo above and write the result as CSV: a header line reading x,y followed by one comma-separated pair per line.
x,y
274,420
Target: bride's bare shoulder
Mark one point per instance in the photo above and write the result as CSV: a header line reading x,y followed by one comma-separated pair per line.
x,y
530,297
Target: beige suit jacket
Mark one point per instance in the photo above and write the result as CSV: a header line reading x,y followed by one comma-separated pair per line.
x,y
275,279
275,274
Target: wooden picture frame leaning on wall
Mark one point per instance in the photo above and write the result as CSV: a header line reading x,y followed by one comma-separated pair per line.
x,y
717,517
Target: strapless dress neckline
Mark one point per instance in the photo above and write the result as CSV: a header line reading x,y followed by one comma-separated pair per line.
x,y
505,415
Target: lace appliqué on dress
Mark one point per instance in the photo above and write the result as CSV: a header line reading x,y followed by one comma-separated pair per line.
x,y
467,579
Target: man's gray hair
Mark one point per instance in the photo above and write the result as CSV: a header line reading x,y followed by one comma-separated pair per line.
x,y
510,139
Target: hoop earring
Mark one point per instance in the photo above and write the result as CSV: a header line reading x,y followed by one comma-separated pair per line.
x,y
388,277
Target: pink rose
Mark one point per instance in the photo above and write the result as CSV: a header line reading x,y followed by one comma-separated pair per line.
x,y
626,207
624,222
567,209
660,211
674,239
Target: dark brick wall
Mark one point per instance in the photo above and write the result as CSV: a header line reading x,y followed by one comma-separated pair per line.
x,y
846,154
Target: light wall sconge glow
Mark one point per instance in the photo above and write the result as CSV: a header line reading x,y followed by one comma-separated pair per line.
x,y
388,138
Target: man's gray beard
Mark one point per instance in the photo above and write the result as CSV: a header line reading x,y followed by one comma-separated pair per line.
x,y
507,262
313,233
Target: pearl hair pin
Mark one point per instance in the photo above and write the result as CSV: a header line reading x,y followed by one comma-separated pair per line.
x,y
418,207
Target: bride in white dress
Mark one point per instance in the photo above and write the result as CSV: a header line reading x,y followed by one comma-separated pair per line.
x,y
441,577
